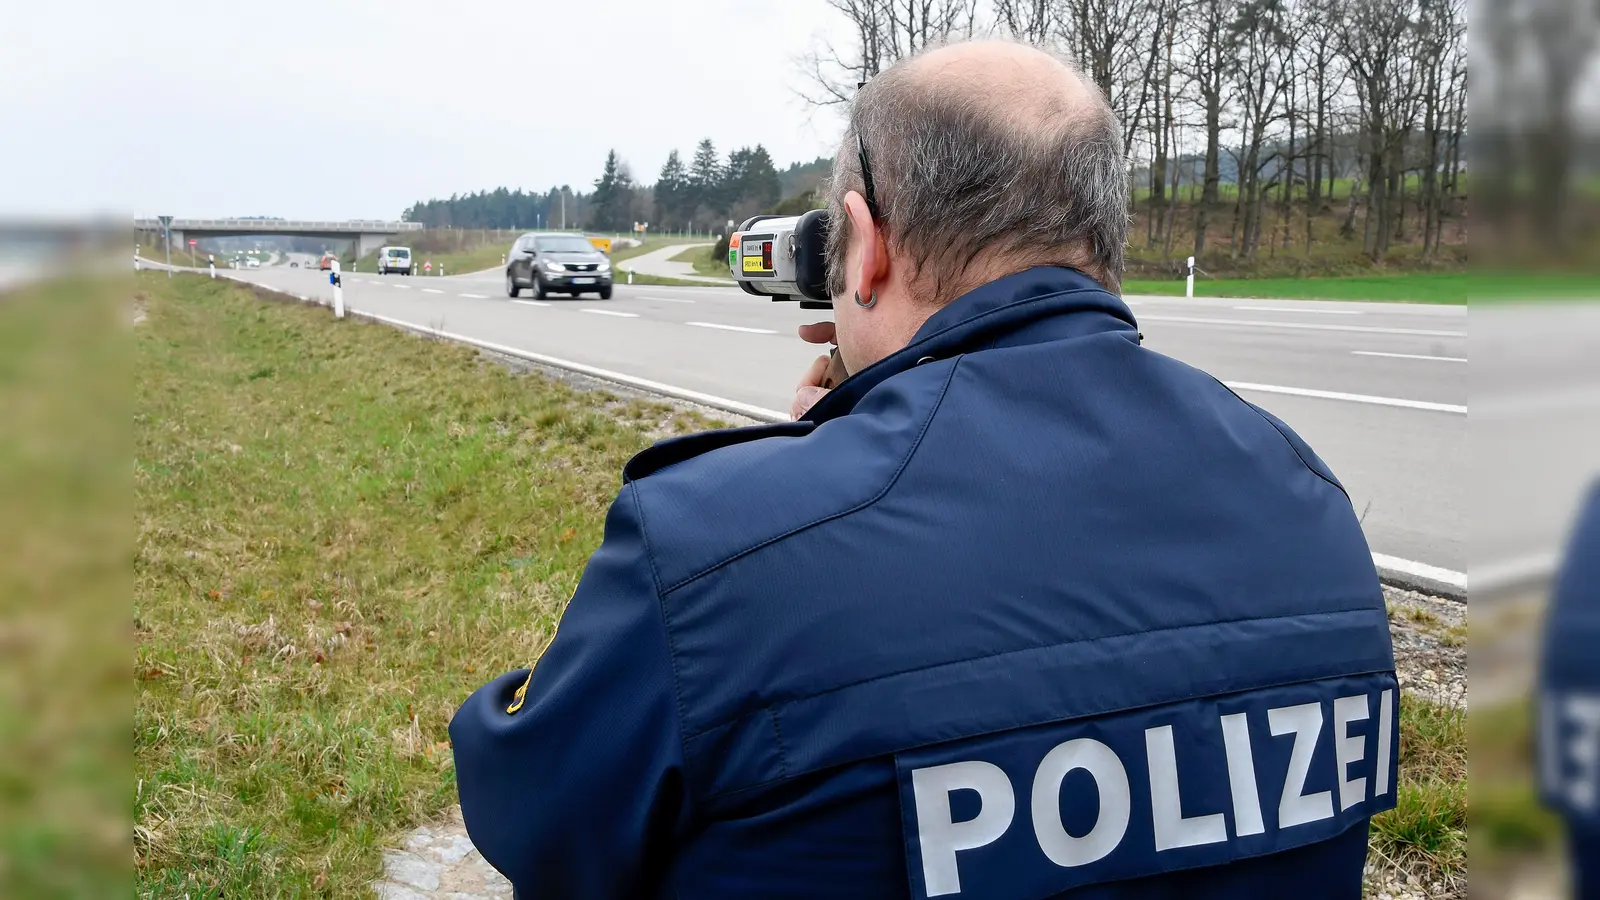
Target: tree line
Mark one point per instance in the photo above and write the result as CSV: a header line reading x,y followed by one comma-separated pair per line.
x,y
1292,98
701,195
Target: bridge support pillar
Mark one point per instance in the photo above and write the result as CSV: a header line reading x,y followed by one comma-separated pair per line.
x,y
369,243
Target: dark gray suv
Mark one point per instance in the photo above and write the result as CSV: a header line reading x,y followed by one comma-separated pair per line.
x,y
557,263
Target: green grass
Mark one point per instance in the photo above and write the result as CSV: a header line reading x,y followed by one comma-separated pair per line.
x,y
1412,288
1508,821
342,530
1427,829
650,246
64,580
705,263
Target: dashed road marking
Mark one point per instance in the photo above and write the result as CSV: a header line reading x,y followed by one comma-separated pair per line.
x,y
473,296
732,328
431,291
1460,359
610,312
531,302
1351,398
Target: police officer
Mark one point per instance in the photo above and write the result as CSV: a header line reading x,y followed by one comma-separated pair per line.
x,y
1017,609
1569,700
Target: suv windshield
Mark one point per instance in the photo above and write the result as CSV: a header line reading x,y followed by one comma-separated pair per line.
x,y
564,244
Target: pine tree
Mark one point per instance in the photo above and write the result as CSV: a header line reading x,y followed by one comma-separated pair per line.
x,y
705,179
606,194
671,187
762,186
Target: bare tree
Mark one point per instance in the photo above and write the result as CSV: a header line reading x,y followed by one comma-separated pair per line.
x,y
1378,40
1207,68
881,32
1029,20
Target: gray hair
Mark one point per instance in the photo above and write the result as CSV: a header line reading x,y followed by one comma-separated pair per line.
x,y
960,177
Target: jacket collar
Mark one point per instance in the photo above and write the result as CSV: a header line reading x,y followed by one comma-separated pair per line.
x,y
1041,304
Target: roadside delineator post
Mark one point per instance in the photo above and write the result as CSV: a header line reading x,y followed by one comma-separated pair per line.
x,y
1188,290
338,291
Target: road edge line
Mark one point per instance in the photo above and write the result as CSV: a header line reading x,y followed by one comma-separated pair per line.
x,y
1392,570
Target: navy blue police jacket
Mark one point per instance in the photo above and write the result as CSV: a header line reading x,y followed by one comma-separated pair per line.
x,y
1568,736
1024,610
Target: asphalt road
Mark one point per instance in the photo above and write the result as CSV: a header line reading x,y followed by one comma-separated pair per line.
x,y
1378,390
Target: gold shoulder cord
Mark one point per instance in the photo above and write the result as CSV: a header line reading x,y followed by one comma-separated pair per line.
x,y
521,695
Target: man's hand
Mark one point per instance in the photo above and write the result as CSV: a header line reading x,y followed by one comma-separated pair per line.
x,y
824,374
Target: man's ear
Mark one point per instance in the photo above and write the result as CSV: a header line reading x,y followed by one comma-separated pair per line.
x,y
872,257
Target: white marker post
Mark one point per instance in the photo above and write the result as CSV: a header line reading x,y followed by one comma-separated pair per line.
x,y
338,291
1188,290
211,263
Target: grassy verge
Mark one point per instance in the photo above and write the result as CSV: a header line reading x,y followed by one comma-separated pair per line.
x,y
1509,825
1426,833
640,278
342,530
455,262
64,581
650,246
705,262
1414,288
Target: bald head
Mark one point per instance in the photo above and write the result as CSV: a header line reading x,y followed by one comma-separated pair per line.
x,y
987,158
1026,85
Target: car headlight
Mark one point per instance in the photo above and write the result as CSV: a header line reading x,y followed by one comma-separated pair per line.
x,y
554,266
605,266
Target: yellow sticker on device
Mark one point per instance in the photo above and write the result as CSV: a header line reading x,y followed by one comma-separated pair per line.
x,y
753,264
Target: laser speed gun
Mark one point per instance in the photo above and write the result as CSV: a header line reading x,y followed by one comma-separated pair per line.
x,y
781,257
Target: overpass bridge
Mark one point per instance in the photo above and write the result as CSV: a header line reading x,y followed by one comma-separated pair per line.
x,y
366,234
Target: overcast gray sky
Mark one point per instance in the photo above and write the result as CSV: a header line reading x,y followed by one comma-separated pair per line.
x,y
346,109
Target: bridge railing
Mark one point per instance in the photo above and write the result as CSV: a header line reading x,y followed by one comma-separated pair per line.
x,y
352,225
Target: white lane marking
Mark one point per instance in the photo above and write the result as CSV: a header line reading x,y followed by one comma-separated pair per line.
x,y
667,299
1351,398
403,287
732,327
1509,572
1409,356
1420,570
431,291
1285,309
610,312
747,409
473,296
1258,323
769,415
531,302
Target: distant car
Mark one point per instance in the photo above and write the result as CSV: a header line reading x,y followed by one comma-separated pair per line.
x,y
253,263
326,262
551,263
394,259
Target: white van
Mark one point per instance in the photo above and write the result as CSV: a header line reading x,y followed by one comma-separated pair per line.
x,y
394,259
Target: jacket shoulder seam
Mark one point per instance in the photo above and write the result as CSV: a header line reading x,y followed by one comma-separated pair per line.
x,y
666,630
1274,425
889,485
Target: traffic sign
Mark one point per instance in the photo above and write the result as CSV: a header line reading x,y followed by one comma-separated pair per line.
x,y
192,242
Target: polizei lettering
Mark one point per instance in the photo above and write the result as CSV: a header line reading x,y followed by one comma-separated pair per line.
x,y
1201,782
